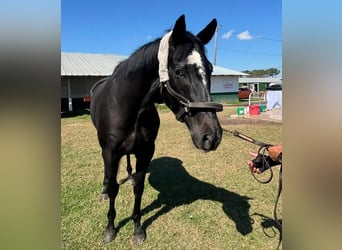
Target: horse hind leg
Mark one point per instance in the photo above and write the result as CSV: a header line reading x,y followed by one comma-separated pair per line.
x,y
131,177
143,160
104,194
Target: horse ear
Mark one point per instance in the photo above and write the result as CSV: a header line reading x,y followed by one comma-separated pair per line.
x,y
179,29
207,33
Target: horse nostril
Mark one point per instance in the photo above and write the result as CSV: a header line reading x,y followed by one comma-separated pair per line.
x,y
207,142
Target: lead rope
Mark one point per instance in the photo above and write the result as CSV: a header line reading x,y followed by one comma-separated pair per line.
x,y
261,151
263,148
279,224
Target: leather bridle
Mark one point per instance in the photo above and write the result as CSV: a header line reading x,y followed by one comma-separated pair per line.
x,y
186,105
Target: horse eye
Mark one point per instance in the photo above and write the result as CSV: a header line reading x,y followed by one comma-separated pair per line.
x,y
179,72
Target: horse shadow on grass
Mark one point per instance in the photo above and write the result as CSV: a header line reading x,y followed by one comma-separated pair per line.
x,y
177,187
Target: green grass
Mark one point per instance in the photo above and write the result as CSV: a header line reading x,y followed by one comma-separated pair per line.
x,y
192,200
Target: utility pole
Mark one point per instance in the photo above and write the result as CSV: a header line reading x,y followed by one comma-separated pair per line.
x,y
215,45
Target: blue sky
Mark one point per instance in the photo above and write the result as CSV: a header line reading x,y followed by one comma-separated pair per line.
x,y
249,37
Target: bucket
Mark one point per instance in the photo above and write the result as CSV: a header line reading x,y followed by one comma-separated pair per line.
x,y
240,110
262,108
254,109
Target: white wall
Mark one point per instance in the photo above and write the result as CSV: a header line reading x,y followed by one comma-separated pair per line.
x,y
80,85
224,84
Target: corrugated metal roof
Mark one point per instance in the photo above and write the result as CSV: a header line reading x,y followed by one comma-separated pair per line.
x,y
85,64
220,71
259,80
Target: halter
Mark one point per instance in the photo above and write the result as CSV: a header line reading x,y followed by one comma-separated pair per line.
x,y
186,104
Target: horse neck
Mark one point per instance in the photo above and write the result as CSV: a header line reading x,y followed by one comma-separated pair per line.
x,y
144,62
141,71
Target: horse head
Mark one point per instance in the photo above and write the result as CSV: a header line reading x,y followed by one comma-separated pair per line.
x,y
185,75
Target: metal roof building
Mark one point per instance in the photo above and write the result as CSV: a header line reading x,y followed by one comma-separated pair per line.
x,y
260,80
85,64
80,71
220,71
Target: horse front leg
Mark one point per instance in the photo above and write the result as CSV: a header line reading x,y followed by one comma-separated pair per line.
x,y
111,188
143,160
104,195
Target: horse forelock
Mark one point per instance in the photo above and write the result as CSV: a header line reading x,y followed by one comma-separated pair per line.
x,y
179,52
192,53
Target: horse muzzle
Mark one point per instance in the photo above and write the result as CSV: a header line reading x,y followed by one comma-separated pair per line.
x,y
208,141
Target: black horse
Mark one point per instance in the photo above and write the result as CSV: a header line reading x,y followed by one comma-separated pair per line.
x,y
173,70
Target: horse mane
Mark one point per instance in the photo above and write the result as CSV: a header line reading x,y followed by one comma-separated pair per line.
x,y
146,56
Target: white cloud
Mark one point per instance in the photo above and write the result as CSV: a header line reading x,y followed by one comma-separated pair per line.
x,y
149,38
228,34
244,35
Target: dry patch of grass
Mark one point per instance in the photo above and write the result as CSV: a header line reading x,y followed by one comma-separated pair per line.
x,y
192,200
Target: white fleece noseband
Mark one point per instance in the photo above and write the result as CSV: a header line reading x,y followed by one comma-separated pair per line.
x,y
163,53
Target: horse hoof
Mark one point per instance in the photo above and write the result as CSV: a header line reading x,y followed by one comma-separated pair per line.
x,y
131,180
139,237
104,197
109,235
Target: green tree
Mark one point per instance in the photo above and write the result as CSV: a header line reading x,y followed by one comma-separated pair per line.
x,y
262,72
